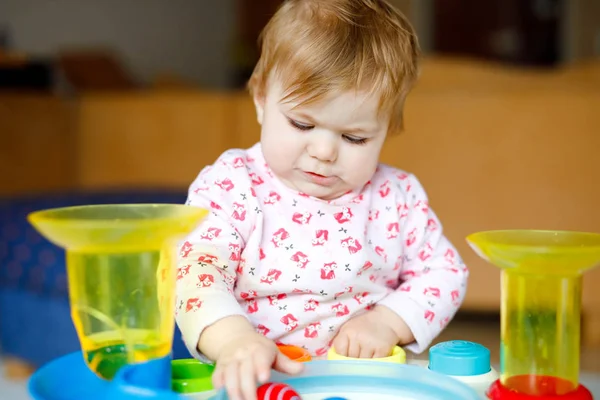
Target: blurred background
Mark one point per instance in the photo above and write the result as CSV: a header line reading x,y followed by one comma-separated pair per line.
x,y
126,101
213,44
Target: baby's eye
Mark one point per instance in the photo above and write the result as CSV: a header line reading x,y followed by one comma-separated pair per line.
x,y
300,126
354,140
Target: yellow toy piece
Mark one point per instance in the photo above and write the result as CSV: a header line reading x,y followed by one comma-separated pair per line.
x,y
121,268
541,286
398,356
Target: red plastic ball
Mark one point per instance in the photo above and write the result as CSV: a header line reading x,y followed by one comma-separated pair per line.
x,y
277,391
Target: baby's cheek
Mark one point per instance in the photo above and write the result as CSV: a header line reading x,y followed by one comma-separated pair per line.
x,y
360,176
280,153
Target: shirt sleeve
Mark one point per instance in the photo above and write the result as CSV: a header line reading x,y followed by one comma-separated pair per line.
x,y
210,255
433,277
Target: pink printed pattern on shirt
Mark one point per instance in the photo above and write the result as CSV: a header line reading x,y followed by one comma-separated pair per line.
x,y
299,267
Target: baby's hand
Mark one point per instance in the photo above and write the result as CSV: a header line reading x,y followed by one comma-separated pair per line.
x,y
247,361
372,334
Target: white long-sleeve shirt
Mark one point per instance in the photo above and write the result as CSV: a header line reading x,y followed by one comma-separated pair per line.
x,y
299,267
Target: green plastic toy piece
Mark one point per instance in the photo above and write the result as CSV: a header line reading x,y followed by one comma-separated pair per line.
x,y
191,376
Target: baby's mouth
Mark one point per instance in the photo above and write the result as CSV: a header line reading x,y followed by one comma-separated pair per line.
x,y
322,180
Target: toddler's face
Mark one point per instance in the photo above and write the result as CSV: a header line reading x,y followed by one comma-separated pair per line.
x,y
323,149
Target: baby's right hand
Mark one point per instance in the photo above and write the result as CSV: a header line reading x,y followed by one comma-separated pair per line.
x,y
248,360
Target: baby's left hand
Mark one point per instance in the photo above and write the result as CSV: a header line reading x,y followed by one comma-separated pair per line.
x,y
372,334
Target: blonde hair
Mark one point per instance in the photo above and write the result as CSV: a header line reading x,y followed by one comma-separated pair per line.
x,y
316,47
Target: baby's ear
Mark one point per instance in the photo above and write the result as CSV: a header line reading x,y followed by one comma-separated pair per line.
x,y
259,104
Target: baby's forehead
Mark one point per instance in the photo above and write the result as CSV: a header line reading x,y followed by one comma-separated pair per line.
x,y
341,108
304,98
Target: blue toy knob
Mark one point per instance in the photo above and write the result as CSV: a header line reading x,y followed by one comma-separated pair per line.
x,y
459,358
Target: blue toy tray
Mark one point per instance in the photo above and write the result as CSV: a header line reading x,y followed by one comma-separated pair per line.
x,y
359,380
68,378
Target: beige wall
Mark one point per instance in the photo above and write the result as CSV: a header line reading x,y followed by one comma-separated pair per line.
x,y
192,40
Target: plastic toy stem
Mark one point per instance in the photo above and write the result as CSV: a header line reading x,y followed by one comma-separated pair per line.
x,y
541,282
540,330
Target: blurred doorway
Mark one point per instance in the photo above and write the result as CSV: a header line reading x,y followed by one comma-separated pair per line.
x,y
524,32
252,17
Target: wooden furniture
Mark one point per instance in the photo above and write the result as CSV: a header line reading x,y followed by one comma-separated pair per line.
x,y
37,143
495,148
154,139
95,69
518,153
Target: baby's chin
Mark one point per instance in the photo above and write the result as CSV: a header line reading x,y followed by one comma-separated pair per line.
x,y
324,193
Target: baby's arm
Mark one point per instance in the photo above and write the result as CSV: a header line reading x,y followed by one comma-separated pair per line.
x,y
207,313
433,276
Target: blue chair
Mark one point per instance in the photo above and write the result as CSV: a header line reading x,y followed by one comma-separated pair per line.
x,y
35,321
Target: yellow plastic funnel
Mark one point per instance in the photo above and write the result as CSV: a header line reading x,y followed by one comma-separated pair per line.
x,y
121,262
541,304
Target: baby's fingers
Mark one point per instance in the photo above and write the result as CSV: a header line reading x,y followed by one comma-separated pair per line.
x,y
247,379
263,362
354,347
286,365
218,377
367,351
232,376
340,344
382,351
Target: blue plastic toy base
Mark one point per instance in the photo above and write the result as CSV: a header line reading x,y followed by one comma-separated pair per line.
x,y
364,379
69,378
